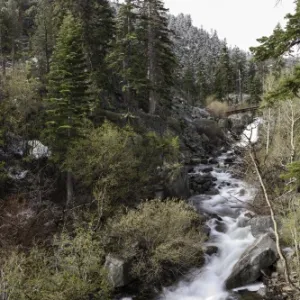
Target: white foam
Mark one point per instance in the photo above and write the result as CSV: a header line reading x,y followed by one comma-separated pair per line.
x,y
250,134
208,282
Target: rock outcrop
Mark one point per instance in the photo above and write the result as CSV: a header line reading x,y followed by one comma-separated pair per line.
x,y
117,271
179,186
259,225
259,256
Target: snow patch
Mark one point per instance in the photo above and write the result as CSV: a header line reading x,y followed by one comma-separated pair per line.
x,y
17,175
250,134
38,150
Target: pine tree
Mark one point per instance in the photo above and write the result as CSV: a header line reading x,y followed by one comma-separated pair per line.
x,y
202,84
68,102
125,59
44,36
223,75
10,30
254,84
189,84
96,17
161,60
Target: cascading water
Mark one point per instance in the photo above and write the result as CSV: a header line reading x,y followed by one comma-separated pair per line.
x,y
231,241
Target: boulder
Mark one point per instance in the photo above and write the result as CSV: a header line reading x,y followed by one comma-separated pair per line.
x,y
220,226
259,256
225,124
212,192
212,161
239,122
117,271
210,128
210,250
179,187
201,183
259,225
199,113
204,168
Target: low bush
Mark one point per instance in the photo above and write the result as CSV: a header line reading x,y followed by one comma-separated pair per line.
x,y
120,163
71,270
163,238
217,109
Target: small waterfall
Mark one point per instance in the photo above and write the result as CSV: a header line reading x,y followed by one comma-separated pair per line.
x,y
229,205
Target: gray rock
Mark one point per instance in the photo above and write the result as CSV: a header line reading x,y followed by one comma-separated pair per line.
x,y
179,187
225,124
204,168
196,160
229,160
220,226
199,113
210,128
212,192
213,161
117,271
242,192
210,250
259,256
239,122
259,225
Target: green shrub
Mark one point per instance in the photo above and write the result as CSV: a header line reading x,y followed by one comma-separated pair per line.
x,y
163,239
217,108
71,270
121,163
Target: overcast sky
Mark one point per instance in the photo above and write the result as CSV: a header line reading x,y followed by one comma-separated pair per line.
x,y
241,22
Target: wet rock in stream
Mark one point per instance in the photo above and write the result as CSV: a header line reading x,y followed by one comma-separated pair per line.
x,y
201,182
258,256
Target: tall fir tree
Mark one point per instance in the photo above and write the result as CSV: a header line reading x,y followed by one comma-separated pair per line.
x,y
161,60
98,29
223,75
10,31
68,101
44,36
125,59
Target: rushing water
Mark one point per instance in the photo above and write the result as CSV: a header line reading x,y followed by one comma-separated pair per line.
x,y
229,206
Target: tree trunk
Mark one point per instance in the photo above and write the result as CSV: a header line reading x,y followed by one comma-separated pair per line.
x,y
240,87
69,187
69,183
151,61
268,131
271,209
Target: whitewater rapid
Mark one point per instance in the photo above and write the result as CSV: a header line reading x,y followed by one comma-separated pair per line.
x,y
229,206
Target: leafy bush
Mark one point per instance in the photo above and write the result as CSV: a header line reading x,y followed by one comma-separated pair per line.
x,y
22,102
71,270
163,239
217,108
119,162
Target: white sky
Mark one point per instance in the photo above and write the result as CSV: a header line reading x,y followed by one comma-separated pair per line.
x,y
241,22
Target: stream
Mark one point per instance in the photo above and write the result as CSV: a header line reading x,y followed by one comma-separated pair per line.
x,y
226,210
228,207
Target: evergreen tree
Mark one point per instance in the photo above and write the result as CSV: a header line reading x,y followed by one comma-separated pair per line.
x,y
125,59
44,36
254,84
68,85
202,83
10,31
96,17
189,84
161,60
223,75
